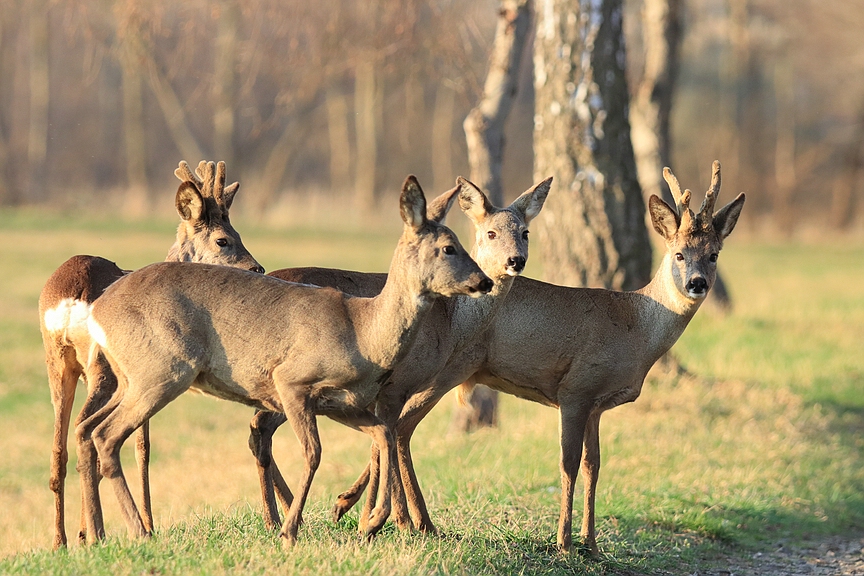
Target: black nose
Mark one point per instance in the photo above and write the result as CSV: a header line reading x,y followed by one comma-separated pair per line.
x,y
485,286
697,285
259,269
517,263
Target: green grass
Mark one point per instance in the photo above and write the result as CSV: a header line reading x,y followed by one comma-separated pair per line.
x,y
765,445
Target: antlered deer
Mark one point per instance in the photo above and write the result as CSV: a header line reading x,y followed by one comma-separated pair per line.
x,y
292,348
205,234
581,350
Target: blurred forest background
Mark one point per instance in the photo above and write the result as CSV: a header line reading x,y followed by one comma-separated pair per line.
x,y
100,99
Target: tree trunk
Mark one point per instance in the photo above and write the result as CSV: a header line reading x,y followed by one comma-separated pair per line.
x,y
442,138
484,134
784,158
340,140
366,132
484,125
133,126
593,233
37,140
172,111
224,82
843,205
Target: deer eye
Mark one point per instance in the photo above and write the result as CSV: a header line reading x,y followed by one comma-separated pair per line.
x,y
525,235
713,257
491,234
679,256
449,250
222,242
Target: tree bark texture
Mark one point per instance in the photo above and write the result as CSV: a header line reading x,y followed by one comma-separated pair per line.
x,y
651,106
592,232
484,125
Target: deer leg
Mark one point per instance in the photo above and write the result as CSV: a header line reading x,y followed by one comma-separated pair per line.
x,y
346,500
572,431
590,473
101,399
373,485
261,431
305,427
63,373
142,457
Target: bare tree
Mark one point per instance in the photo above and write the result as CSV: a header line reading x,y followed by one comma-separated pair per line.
x,y
594,233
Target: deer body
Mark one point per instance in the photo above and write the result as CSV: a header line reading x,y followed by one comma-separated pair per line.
x,y
581,350
205,234
296,349
501,250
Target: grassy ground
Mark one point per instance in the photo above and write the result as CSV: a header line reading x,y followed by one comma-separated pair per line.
x,y
765,446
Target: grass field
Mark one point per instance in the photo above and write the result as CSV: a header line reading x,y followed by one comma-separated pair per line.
x,y
764,445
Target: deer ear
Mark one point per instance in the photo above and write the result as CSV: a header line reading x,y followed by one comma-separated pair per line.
x,y
663,217
228,194
726,218
190,204
439,207
412,203
473,201
531,201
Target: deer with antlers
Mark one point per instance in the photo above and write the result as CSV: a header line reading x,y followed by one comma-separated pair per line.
x,y
580,350
205,234
284,347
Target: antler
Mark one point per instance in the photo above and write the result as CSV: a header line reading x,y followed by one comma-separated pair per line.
x,y
706,211
209,178
682,201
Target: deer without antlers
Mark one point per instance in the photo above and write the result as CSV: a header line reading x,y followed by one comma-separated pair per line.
x,y
292,348
582,350
205,234
500,249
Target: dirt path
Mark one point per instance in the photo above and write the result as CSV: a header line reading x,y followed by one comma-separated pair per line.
x,y
835,556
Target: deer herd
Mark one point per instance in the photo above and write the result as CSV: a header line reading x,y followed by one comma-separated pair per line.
x,y
375,352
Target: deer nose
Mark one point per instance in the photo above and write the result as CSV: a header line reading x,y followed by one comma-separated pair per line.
x,y
697,285
517,263
257,268
485,286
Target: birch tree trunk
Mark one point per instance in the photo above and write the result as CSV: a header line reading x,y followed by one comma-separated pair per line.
x,y
484,134
593,230
484,125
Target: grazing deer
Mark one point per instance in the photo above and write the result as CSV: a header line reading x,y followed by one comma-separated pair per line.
x,y
501,251
582,350
205,235
292,348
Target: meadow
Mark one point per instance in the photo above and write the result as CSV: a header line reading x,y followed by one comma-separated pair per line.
x,y
761,444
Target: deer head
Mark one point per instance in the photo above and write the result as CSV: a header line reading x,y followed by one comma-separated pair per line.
x,y
501,234
693,241
442,265
205,233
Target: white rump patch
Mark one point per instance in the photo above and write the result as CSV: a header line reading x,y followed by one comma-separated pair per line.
x,y
70,315
96,332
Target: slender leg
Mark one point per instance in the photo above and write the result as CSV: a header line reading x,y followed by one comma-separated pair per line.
x,y
374,484
346,500
142,457
305,427
63,373
261,431
590,474
573,421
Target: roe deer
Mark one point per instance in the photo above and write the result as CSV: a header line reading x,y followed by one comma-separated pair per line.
x,y
501,251
292,348
583,350
205,234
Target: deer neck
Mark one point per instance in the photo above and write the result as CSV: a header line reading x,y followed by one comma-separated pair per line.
x,y
471,316
664,310
394,316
